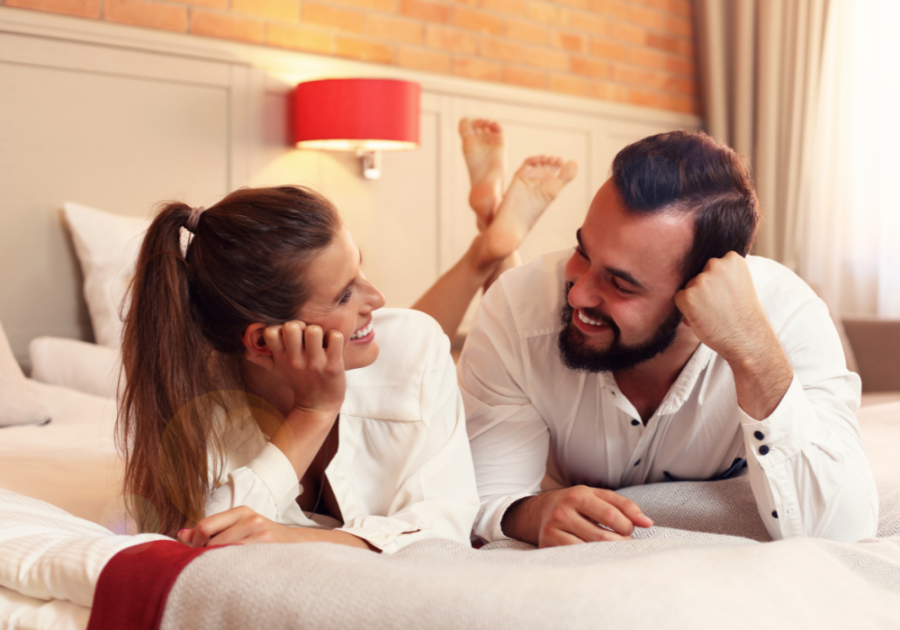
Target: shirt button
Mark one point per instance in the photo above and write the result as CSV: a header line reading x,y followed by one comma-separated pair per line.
x,y
637,462
774,513
635,422
763,449
759,435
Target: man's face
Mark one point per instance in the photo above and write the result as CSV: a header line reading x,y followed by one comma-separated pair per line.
x,y
621,281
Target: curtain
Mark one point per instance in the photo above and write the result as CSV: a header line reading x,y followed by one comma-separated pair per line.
x,y
760,63
850,205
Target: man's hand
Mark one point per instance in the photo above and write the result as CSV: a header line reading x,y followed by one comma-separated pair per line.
x,y
573,515
721,306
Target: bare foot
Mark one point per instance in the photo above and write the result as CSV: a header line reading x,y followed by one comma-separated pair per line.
x,y
483,150
537,182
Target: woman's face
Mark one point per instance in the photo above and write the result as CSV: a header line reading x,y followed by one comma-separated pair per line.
x,y
343,300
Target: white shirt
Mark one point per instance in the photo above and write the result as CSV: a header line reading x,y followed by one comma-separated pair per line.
x,y
536,425
403,468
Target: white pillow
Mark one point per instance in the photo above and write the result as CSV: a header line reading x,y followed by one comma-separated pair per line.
x,y
85,367
17,403
107,246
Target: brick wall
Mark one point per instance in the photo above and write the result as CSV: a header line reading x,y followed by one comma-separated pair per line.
x,y
629,51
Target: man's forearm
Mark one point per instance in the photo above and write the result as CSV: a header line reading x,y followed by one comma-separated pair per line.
x,y
762,378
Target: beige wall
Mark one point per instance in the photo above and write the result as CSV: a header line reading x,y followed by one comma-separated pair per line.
x,y
121,118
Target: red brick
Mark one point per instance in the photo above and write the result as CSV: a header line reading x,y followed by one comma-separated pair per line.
x,y
547,13
509,7
649,18
611,8
420,59
395,30
502,50
80,8
662,42
526,32
653,59
568,85
568,41
477,21
280,10
679,26
209,4
525,77
476,69
452,40
299,38
331,17
609,92
645,98
579,4
592,23
226,26
607,50
627,33
364,50
545,58
385,6
590,67
427,11
146,13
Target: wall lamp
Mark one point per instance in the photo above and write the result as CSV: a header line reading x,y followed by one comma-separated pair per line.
x,y
366,116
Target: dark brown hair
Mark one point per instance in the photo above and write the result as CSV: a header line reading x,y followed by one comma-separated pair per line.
x,y
182,336
690,172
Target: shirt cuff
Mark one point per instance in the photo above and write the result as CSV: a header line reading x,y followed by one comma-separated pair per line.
x,y
277,473
790,428
488,525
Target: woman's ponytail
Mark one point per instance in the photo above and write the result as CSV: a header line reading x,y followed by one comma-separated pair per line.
x,y
167,363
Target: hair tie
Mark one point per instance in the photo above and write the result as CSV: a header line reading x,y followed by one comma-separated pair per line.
x,y
193,219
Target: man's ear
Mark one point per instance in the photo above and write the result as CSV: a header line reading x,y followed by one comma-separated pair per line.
x,y
254,341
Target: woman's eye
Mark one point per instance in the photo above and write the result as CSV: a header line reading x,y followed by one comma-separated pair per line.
x,y
346,297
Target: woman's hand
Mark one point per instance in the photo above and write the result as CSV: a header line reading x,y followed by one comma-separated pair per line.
x,y
243,526
310,362
237,526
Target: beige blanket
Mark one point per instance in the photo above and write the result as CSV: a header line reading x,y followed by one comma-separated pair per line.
x,y
700,567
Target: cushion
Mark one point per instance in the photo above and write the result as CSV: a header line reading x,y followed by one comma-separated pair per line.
x,y
17,402
85,367
107,246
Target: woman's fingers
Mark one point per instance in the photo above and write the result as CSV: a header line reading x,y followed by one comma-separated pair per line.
x,y
334,351
212,525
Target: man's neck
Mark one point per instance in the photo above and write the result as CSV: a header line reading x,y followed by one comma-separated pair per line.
x,y
647,384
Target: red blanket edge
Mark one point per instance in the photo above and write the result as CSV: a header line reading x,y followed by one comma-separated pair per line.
x,y
134,585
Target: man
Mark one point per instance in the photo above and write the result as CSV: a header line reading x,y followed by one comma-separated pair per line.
x,y
658,351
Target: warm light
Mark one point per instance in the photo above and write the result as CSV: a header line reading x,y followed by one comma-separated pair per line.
x,y
361,115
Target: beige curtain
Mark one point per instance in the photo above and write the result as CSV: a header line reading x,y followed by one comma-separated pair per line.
x,y
760,64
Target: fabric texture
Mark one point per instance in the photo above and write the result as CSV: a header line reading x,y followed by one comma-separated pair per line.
x,y
17,403
692,582
107,246
403,469
84,367
535,424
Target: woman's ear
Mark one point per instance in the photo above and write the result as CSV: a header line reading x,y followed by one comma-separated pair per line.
x,y
254,341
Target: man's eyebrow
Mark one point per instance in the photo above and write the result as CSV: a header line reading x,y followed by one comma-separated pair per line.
x,y
618,273
624,275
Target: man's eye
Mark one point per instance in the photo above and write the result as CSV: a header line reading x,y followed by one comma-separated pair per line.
x,y
580,252
620,288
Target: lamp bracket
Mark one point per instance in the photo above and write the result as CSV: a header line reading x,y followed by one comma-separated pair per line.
x,y
371,163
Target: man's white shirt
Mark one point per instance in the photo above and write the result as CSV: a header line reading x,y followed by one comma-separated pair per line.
x,y
536,425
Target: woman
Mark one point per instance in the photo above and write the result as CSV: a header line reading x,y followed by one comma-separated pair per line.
x,y
254,403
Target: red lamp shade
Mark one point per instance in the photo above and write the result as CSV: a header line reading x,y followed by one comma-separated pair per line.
x,y
357,115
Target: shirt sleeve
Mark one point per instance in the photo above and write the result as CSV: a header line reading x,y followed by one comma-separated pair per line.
x,y
808,468
509,437
438,498
267,484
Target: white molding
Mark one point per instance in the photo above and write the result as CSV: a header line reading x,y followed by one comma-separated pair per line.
x,y
300,66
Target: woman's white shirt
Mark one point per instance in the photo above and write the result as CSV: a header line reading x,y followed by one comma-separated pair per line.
x,y
403,469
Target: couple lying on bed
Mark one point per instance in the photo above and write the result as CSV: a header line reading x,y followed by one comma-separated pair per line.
x,y
260,408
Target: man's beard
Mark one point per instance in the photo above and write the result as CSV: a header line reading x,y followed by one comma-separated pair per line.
x,y
577,355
